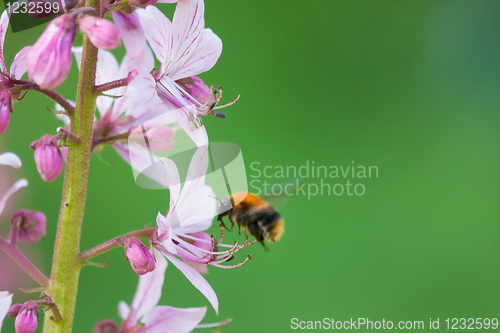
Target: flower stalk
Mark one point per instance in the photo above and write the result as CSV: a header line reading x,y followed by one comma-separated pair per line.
x,y
65,265
14,252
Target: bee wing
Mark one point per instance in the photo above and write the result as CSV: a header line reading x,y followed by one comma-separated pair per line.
x,y
287,189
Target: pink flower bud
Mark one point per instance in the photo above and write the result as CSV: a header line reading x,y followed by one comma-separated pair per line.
x,y
197,88
105,326
159,138
5,109
48,159
101,32
27,318
31,225
49,60
14,310
140,258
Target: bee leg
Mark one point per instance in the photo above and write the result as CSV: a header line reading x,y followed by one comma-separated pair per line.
x,y
221,234
222,224
232,222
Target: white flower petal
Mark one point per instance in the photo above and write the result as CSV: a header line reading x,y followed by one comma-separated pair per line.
x,y
132,33
148,291
10,159
4,24
197,280
5,303
123,310
157,28
20,64
107,70
19,184
167,319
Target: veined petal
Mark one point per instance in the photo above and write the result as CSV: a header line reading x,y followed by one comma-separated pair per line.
x,y
157,28
199,59
19,184
187,25
5,302
197,280
10,159
167,319
20,64
4,24
132,33
148,291
123,310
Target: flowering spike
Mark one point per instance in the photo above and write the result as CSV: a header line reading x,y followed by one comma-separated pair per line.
x,y
49,61
31,225
101,32
27,318
140,258
48,159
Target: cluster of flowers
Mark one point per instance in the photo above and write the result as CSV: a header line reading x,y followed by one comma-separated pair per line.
x,y
174,97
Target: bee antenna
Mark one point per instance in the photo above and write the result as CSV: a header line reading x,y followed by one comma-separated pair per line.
x,y
216,198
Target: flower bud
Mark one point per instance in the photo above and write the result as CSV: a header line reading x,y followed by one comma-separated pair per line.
x,y
138,254
159,138
27,318
105,326
49,60
101,32
197,88
5,109
14,310
48,159
31,225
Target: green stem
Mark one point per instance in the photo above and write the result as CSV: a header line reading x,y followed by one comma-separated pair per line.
x,y
65,265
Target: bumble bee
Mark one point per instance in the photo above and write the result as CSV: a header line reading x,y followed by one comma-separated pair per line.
x,y
254,215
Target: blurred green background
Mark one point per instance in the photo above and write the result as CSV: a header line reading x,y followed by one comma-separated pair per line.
x,y
409,86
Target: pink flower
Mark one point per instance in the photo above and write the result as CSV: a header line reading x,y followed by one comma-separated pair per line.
x,y
27,318
5,109
31,225
145,316
180,232
101,32
119,118
138,254
49,162
5,302
49,60
184,49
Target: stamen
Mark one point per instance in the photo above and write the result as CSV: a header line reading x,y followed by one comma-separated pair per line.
x,y
234,266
